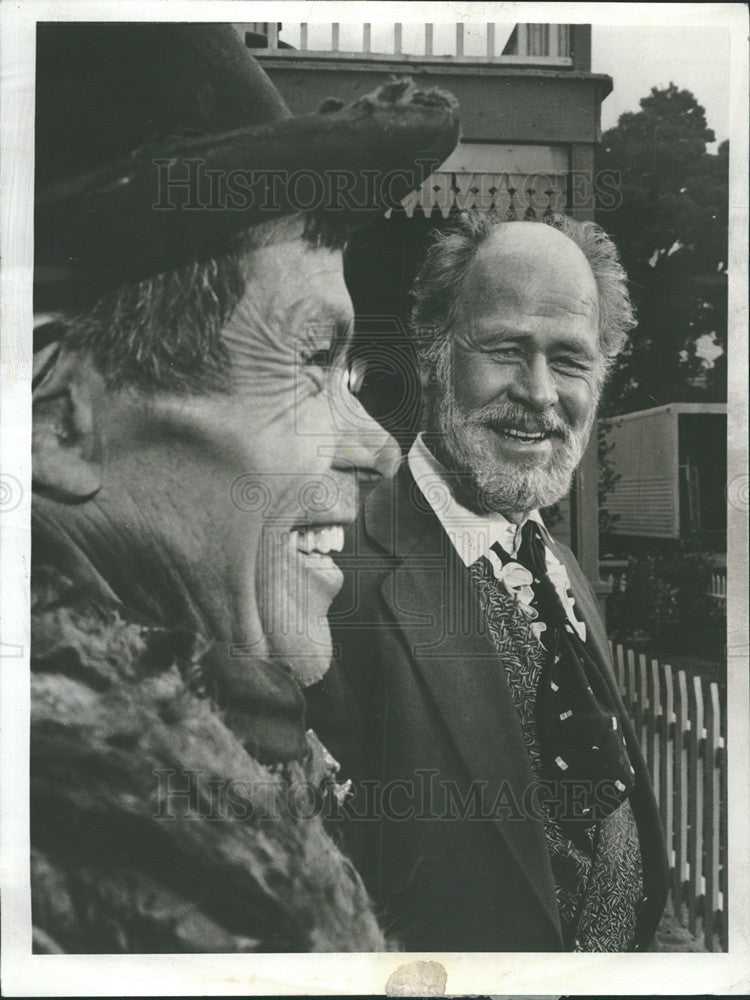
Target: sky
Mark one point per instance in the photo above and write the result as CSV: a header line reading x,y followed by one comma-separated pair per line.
x,y
639,58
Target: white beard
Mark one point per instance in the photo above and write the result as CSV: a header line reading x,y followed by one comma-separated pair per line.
x,y
513,489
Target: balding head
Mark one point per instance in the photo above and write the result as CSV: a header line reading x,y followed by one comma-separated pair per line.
x,y
527,267
532,251
525,252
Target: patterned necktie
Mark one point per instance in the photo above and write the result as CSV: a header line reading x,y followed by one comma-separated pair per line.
x,y
583,752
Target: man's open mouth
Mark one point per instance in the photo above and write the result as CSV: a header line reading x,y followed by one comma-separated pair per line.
x,y
320,539
527,437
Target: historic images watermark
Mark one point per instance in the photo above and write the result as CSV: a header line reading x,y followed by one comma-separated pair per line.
x,y
11,492
194,794
190,185
319,497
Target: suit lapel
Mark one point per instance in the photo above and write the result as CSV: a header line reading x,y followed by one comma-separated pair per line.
x,y
434,602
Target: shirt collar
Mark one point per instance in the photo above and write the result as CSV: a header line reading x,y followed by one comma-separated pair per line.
x,y
470,534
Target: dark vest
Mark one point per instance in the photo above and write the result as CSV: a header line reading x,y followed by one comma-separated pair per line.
x,y
598,878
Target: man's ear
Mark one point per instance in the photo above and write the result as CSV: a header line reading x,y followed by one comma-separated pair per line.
x,y
67,452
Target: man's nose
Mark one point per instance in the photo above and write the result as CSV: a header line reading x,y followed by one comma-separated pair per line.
x,y
535,386
362,444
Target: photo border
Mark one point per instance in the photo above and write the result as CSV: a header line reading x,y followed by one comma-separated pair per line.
x,y
321,974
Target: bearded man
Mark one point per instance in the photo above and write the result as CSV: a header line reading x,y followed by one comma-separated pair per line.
x,y
501,800
197,444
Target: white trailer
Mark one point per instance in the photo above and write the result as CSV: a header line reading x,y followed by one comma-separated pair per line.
x,y
672,465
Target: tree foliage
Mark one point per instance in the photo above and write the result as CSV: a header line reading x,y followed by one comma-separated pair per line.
x,y
664,605
670,223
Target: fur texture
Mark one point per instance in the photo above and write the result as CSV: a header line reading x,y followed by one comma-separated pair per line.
x,y
153,828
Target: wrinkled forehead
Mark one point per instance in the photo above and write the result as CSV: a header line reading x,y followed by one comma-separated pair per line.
x,y
526,265
287,269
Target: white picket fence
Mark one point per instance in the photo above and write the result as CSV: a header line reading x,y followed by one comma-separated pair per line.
x,y
718,587
680,721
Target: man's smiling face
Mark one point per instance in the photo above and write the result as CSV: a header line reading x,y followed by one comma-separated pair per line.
x,y
230,503
305,438
519,384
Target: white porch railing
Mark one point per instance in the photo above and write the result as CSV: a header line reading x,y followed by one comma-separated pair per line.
x,y
521,44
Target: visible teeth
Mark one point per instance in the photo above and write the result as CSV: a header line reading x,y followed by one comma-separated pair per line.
x,y
322,540
523,435
337,537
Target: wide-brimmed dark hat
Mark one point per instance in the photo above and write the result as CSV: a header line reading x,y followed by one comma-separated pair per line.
x,y
156,142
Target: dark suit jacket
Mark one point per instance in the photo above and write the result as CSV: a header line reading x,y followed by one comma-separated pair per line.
x,y
416,699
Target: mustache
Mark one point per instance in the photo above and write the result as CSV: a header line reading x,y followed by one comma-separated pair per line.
x,y
501,416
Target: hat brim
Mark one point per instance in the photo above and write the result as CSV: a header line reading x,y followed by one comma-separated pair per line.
x,y
185,197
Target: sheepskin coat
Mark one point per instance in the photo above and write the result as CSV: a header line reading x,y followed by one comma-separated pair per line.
x,y
163,817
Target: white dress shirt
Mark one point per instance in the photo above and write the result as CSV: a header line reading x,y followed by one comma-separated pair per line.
x,y
472,535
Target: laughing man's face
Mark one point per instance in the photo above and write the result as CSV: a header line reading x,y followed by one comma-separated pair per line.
x,y
235,501
519,393
300,441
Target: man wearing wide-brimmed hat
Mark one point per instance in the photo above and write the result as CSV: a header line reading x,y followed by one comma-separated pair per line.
x,y
197,446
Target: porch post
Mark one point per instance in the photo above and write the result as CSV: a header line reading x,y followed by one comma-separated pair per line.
x,y
584,526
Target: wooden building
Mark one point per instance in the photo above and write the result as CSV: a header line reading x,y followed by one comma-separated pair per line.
x,y
530,120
